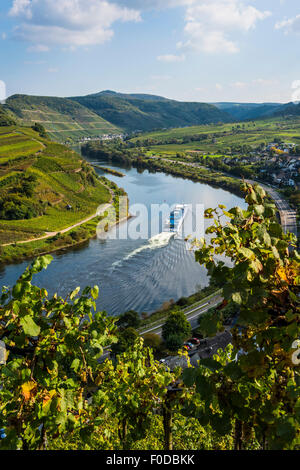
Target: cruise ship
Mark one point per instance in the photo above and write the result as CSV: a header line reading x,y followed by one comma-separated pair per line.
x,y
175,221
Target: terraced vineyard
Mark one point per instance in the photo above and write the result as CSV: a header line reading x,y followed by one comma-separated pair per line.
x,y
44,187
63,119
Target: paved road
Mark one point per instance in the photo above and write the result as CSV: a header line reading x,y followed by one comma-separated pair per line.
x,y
288,216
192,314
53,234
101,209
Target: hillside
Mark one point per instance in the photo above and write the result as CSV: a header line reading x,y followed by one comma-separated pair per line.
x,y
249,111
44,186
62,118
148,112
218,139
6,117
288,110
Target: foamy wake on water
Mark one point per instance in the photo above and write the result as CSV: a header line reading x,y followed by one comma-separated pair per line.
x,y
158,241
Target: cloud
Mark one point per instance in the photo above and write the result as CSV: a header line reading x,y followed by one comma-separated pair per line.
x,y
71,23
291,25
154,4
209,24
239,85
264,82
2,92
38,48
171,58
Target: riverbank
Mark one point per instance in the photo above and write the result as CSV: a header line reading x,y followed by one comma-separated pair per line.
x,y
74,238
216,179
71,237
196,174
109,171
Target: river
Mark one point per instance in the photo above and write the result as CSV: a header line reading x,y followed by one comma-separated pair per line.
x,y
133,274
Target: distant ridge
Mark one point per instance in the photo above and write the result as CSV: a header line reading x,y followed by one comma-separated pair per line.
x,y
148,112
246,111
110,112
289,109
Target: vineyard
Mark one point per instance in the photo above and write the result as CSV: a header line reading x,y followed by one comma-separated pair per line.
x,y
44,187
63,119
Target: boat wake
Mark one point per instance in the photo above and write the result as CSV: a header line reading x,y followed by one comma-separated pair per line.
x,y
158,241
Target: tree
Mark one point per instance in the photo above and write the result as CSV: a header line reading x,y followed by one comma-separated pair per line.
x,y
174,341
254,386
153,341
125,340
130,319
176,329
40,129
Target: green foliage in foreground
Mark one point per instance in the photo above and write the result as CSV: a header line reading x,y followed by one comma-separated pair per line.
x,y
55,393
256,385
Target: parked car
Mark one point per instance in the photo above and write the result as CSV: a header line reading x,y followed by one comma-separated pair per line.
x,y
195,341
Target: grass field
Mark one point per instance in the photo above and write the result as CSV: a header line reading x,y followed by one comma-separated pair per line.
x,y
65,187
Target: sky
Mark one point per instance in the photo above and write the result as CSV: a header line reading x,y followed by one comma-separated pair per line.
x,y
188,50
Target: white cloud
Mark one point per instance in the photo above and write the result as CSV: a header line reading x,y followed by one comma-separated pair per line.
x,y
209,24
239,85
154,4
38,48
68,22
21,8
264,82
72,23
219,87
171,58
200,39
291,25
2,92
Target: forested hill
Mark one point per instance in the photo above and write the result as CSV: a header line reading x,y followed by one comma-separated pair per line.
x,y
148,112
289,109
6,117
62,118
248,111
109,112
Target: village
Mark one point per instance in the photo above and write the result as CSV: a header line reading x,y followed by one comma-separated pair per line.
x,y
104,137
275,163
